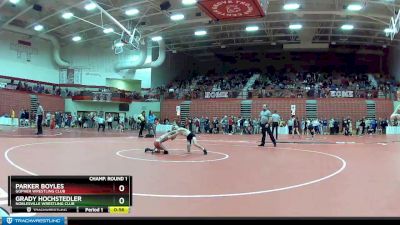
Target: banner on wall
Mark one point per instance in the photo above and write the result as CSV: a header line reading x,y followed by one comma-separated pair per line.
x,y
398,95
70,76
342,94
3,85
11,86
220,10
178,110
293,110
216,94
102,96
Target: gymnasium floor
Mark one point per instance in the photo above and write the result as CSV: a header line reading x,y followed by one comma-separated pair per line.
x,y
327,176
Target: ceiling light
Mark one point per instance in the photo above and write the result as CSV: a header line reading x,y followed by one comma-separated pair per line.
x,y
347,27
67,15
177,17
388,30
90,6
189,2
295,26
291,6
333,42
108,30
354,7
38,27
252,28
119,44
156,38
14,1
131,12
76,38
200,33
273,43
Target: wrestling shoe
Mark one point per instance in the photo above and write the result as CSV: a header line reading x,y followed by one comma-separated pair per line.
x,y
205,152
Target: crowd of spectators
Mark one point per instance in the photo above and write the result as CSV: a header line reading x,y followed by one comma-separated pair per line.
x,y
284,85
238,125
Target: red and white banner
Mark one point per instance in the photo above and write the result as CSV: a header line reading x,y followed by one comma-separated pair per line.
x,y
232,9
216,94
342,94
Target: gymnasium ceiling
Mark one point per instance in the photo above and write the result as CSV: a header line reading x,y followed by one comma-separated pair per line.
x,y
321,20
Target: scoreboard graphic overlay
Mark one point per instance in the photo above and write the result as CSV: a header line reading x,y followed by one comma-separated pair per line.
x,y
70,194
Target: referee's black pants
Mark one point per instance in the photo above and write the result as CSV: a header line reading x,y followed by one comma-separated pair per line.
x,y
265,128
39,124
275,126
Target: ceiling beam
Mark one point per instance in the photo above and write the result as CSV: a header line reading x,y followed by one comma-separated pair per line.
x,y
2,3
95,14
279,35
55,13
16,16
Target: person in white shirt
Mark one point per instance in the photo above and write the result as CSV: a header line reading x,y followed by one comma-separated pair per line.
x,y
275,123
101,123
315,124
109,121
290,125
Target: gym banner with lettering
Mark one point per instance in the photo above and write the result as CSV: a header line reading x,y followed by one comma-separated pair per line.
x,y
342,94
216,94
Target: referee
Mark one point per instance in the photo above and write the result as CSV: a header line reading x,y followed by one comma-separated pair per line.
x,y
39,114
265,116
275,123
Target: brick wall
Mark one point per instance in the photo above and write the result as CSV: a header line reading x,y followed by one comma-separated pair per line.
x,y
168,109
13,100
52,103
17,100
216,107
337,108
282,105
384,108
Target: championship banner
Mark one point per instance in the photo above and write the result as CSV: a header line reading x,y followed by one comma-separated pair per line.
x,y
214,94
293,110
398,95
102,96
3,85
342,94
220,10
70,76
178,110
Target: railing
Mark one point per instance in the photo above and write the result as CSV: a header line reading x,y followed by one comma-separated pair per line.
x,y
280,93
77,92
113,96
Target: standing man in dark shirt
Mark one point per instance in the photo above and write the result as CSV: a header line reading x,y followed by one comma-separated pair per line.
x,y
265,116
384,124
27,118
39,115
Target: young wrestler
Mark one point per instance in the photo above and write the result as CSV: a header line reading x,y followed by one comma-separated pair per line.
x,y
158,146
190,137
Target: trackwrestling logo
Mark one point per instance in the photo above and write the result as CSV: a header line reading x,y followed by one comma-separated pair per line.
x,y
33,220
